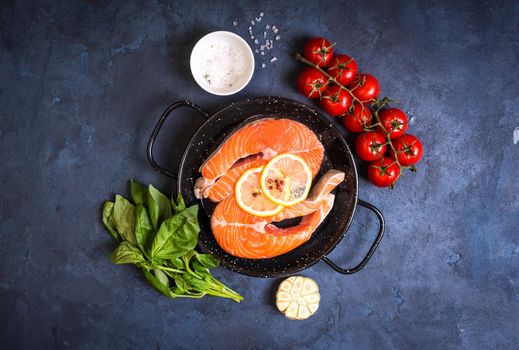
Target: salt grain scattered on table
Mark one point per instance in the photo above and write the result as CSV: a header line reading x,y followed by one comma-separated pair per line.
x,y
235,23
269,43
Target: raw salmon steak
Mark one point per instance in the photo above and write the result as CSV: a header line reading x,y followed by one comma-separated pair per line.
x,y
245,235
265,138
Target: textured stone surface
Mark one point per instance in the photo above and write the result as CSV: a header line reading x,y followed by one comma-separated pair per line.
x,y
81,87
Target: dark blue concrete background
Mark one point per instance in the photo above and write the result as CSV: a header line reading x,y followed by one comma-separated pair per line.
x,y
82,84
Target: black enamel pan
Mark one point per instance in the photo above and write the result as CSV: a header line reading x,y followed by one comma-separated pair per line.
x,y
337,156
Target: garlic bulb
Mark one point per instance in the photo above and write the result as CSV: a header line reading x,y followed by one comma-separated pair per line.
x,y
298,297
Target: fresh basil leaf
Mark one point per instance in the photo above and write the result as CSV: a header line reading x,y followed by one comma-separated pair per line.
x,y
177,236
108,209
178,205
126,253
207,260
195,283
124,219
159,206
162,277
155,282
202,271
143,228
177,291
181,283
139,193
175,263
181,241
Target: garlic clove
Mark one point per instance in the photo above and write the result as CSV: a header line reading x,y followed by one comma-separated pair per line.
x,y
303,313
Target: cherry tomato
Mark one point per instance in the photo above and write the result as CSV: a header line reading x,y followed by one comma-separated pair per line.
x,y
311,82
318,51
365,87
394,121
357,117
409,150
336,101
370,145
383,172
343,68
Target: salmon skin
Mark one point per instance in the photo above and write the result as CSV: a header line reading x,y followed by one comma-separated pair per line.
x,y
331,179
247,236
266,138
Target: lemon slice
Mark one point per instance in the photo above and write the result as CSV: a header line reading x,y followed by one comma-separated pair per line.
x,y
251,198
286,179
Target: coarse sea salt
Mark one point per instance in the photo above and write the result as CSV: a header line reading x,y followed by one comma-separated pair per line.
x,y
222,65
268,45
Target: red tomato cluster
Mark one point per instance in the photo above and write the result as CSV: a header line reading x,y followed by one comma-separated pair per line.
x,y
383,140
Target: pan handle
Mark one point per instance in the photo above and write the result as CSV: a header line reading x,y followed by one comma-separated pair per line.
x,y
157,128
371,249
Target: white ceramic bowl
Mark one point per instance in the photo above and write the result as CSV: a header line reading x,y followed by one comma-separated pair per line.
x,y
222,63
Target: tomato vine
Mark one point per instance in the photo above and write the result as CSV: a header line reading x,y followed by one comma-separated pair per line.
x,y
377,105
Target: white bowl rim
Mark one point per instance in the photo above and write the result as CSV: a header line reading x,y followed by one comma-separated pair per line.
x,y
250,72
